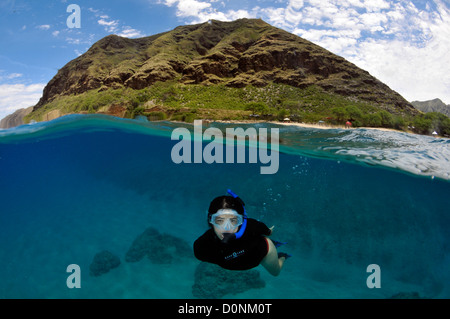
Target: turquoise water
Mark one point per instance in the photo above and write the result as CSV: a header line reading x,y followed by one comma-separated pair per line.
x,y
342,199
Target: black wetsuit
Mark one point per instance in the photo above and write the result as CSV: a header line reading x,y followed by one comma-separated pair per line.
x,y
238,254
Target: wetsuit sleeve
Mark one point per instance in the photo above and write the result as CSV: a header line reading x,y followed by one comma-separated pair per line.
x,y
199,250
203,249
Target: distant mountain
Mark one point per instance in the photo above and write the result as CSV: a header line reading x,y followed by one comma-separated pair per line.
x,y
232,56
15,119
435,105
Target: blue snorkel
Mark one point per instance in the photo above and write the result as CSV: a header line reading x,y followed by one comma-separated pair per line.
x,y
244,223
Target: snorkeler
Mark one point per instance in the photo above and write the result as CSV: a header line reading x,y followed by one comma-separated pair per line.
x,y
236,242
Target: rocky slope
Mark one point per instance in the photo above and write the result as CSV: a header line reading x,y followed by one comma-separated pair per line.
x,y
15,119
435,105
236,54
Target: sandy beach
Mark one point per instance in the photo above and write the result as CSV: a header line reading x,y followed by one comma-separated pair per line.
x,y
330,126
312,125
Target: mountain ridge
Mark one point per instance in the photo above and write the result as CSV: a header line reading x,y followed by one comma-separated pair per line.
x,y
435,105
16,118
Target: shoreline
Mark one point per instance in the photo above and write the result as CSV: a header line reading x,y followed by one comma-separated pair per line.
x,y
317,126
330,126
323,126
326,126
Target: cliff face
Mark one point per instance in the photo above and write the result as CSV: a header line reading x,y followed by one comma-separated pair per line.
x,y
15,119
435,105
236,54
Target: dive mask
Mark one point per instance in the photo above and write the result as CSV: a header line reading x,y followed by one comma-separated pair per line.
x,y
226,219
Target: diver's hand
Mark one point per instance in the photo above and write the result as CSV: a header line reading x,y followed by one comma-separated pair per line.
x,y
271,229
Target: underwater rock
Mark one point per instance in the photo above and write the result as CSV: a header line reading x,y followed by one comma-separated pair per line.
x,y
103,262
212,281
141,245
160,248
170,248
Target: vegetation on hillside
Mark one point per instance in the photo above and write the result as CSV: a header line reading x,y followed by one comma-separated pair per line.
x,y
432,122
174,101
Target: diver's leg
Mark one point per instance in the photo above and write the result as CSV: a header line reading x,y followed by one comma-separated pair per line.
x,y
271,262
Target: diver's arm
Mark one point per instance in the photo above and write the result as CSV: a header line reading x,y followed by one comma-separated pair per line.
x,y
202,249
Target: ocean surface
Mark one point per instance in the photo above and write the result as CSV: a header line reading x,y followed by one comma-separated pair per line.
x,y
341,199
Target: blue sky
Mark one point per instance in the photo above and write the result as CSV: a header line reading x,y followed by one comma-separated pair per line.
x,y
404,43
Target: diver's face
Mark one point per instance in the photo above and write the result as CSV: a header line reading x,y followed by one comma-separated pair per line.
x,y
226,223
